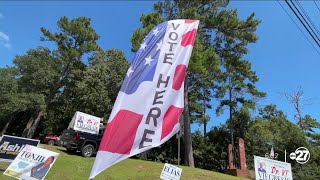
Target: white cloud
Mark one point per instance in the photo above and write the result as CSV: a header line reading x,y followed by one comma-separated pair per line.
x,y
5,40
1,16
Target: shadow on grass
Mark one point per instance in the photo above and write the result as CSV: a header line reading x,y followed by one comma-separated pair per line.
x,y
72,153
65,151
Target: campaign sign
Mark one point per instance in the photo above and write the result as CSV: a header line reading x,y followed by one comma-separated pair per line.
x,y
268,169
170,172
32,163
85,123
11,146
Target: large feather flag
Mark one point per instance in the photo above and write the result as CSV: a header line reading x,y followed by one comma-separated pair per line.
x,y
151,99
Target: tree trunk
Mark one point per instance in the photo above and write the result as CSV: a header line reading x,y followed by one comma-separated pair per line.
x,y
34,126
188,160
6,126
204,117
28,126
231,126
230,114
143,155
230,110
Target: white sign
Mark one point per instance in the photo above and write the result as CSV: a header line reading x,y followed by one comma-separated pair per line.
x,y
170,172
268,169
85,123
32,163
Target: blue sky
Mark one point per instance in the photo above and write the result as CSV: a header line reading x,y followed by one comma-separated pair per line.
x,y
282,58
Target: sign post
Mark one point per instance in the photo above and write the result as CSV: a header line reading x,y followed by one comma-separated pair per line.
x,y
178,150
285,155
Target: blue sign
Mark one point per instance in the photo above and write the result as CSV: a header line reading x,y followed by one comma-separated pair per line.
x,y
10,146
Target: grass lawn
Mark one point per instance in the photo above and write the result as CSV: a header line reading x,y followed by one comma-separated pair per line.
x,y
75,167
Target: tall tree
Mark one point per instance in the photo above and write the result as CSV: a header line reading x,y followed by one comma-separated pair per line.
x,y
307,123
270,111
38,71
241,122
94,93
238,87
8,89
203,59
75,38
295,99
311,128
98,90
13,100
220,30
201,90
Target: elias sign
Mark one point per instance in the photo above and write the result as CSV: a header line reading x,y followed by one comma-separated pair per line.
x,y
170,172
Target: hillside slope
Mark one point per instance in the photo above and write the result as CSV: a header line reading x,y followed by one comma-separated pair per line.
x,y
75,167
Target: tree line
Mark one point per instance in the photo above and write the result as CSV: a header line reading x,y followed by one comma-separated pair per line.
x,y
43,89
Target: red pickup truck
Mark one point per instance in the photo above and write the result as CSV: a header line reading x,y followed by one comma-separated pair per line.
x,y
52,140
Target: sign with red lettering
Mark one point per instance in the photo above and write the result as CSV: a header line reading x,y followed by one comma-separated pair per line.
x,y
85,123
151,99
268,169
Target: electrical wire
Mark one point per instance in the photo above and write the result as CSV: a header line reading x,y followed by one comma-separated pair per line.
x,y
310,28
304,35
316,5
306,14
302,23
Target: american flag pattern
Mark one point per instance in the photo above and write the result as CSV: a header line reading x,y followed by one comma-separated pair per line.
x,y
147,110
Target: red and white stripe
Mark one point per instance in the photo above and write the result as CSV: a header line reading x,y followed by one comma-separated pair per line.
x,y
127,120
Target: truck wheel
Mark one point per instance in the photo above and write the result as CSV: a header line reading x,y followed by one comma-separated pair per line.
x,y
87,150
51,142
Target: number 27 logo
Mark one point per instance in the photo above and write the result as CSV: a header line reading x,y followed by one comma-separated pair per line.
x,y
301,155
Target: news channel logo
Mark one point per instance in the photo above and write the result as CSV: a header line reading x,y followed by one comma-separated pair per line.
x,y
301,155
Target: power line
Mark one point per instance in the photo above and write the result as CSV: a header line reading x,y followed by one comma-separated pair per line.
x,y
302,23
306,14
305,21
305,36
316,5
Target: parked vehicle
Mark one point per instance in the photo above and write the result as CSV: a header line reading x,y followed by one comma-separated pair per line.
x,y
86,143
52,140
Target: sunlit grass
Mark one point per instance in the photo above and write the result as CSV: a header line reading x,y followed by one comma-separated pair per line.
x,y
75,167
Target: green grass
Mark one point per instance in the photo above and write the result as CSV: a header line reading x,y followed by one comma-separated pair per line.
x,y
75,167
